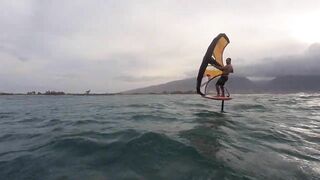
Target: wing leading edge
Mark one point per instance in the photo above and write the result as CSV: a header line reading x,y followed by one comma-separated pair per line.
x,y
213,56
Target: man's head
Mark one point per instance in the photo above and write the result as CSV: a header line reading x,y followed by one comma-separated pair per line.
x,y
228,60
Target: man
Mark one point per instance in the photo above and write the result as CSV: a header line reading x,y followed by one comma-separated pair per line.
x,y
226,70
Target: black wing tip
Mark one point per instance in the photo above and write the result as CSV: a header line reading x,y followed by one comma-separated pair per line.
x,y
199,92
223,35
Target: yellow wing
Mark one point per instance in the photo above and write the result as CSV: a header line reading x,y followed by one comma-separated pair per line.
x,y
218,56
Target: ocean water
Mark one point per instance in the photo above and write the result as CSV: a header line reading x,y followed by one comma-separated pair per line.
x,y
144,137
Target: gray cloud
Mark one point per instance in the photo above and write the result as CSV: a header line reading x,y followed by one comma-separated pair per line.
x,y
306,63
143,79
12,52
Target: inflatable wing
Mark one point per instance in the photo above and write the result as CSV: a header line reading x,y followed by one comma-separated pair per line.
x,y
213,56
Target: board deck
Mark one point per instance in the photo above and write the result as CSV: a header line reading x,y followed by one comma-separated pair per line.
x,y
217,97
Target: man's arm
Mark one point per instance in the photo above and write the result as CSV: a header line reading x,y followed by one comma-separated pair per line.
x,y
220,67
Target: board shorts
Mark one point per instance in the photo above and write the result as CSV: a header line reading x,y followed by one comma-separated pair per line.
x,y
222,80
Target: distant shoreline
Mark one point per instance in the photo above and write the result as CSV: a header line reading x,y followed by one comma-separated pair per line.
x,y
236,85
173,93
66,94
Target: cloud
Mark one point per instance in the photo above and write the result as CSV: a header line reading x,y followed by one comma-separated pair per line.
x,y
117,45
306,63
13,53
133,79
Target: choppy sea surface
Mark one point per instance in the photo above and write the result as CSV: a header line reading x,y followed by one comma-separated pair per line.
x,y
262,136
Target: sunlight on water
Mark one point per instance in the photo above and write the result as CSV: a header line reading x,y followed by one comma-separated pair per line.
x,y
313,103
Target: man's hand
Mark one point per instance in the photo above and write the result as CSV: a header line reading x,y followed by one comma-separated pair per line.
x,y
218,67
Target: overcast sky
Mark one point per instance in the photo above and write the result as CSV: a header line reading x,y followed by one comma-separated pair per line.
x,y
111,46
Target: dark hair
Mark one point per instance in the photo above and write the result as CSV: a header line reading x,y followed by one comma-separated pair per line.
x,y
228,59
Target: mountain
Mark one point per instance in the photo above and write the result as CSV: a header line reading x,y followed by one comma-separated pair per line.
x,y
185,85
294,83
238,84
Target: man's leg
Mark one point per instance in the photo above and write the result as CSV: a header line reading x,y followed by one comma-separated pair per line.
x,y
218,90
222,90
218,84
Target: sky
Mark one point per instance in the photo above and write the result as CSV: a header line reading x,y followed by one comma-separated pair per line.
x,y
112,46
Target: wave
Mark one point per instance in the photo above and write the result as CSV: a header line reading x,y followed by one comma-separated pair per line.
x,y
13,136
144,117
4,115
152,105
171,137
31,120
256,107
191,104
308,96
208,114
145,155
88,122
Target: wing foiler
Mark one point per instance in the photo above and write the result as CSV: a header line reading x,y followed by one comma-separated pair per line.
x,y
214,56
